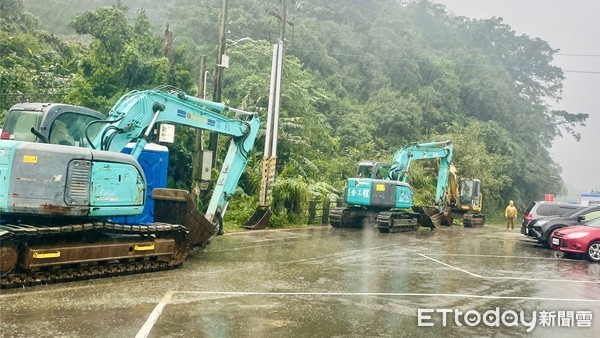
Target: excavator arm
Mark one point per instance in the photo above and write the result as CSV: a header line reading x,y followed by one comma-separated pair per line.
x,y
133,117
420,151
65,208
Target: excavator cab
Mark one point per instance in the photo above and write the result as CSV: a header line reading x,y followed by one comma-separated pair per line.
x,y
53,123
376,170
470,194
471,202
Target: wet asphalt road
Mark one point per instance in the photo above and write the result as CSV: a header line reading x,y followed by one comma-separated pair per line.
x,y
325,282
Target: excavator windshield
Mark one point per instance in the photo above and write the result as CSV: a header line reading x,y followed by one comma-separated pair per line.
x,y
375,170
469,191
364,170
70,128
18,125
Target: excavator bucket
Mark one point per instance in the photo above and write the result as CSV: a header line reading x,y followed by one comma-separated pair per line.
x,y
260,218
430,216
176,206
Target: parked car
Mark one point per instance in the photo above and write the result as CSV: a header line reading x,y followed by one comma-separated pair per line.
x,y
541,209
579,240
543,228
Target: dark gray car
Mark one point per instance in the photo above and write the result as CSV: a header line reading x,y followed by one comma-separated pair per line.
x,y
541,209
543,228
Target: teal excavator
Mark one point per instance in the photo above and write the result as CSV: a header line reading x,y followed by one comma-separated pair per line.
x,y
68,193
380,193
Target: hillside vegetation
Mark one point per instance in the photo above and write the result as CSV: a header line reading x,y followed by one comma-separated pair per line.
x,y
361,79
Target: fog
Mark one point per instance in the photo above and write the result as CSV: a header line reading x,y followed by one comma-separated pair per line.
x,y
573,27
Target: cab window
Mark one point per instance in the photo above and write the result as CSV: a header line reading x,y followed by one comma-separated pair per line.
x,y
364,171
19,123
69,129
382,172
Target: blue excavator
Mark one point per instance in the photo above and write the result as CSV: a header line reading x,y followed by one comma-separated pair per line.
x,y
73,185
380,193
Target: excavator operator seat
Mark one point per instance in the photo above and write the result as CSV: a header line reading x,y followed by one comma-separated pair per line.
x,y
59,134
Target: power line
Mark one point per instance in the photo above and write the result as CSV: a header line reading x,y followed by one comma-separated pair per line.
x,y
582,55
25,94
422,60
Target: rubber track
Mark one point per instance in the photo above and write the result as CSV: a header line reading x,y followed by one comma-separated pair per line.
x,y
402,222
335,217
24,232
474,221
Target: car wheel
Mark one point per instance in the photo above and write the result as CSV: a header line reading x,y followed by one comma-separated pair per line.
x,y
593,251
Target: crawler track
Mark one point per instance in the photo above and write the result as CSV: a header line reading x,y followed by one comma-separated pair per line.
x,y
343,217
396,221
473,221
30,254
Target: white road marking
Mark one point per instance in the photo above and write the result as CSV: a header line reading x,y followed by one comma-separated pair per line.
x,y
451,266
510,278
498,256
145,330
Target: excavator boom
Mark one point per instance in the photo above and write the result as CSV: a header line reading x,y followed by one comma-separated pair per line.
x,y
68,187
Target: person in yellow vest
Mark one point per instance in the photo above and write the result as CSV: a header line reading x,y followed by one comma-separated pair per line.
x,y
510,213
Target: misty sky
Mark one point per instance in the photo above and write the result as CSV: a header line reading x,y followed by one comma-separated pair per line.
x,y
574,28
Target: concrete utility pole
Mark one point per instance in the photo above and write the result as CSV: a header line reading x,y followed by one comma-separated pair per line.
x,y
272,127
197,163
262,214
213,140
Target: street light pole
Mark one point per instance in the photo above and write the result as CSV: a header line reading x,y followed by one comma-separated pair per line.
x,y
204,85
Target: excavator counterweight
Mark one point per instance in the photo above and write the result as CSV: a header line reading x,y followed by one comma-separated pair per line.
x,y
74,206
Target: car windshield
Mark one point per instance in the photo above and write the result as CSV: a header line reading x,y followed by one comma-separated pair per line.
x,y
594,222
583,211
574,211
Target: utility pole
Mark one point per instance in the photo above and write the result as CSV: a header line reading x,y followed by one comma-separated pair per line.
x,y
263,212
283,20
213,140
168,51
197,163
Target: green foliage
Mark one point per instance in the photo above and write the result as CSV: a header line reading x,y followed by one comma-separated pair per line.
x,y
123,56
239,211
32,67
289,193
360,80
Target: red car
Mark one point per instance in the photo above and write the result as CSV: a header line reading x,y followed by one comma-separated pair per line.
x,y
579,240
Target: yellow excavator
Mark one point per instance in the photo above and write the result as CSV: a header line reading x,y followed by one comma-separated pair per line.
x,y
464,200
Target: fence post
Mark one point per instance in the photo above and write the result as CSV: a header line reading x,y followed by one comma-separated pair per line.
x,y
325,215
312,207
